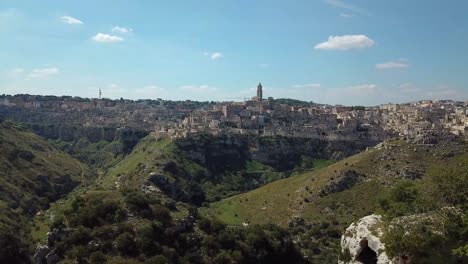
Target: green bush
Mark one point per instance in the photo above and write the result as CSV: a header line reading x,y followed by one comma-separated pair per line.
x,y
97,258
125,244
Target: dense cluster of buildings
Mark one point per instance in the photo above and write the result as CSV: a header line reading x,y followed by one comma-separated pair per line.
x,y
259,116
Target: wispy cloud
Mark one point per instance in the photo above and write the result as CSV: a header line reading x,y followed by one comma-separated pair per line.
x,y
216,55
408,88
43,73
343,5
345,42
198,89
17,71
307,85
106,38
122,30
362,89
14,73
392,65
345,15
213,55
71,20
151,91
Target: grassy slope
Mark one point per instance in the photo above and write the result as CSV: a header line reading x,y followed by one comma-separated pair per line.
x,y
102,154
25,156
151,155
32,174
147,156
280,201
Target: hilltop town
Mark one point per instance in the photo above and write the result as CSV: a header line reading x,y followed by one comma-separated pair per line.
x,y
259,116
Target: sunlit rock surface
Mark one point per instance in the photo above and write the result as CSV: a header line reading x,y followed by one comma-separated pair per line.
x,y
362,239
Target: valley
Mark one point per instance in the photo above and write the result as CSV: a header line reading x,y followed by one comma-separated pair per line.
x,y
233,132
106,195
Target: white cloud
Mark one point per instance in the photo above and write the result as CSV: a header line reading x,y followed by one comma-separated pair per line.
x,y
43,73
213,55
122,30
444,91
307,85
362,89
14,73
17,71
71,20
197,89
345,42
151,91
343,5
345,15
391,65
106,38
216,55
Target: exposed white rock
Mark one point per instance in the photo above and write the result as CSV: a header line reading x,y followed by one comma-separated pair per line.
x,y
367,230
149,189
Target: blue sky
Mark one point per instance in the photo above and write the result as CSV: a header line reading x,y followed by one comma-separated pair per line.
x,y
328,51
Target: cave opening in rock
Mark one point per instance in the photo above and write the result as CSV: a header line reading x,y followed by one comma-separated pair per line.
x,y
366,255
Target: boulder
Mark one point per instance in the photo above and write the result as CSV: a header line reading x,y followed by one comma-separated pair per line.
x,y
52,237
52,258
361,242
40,257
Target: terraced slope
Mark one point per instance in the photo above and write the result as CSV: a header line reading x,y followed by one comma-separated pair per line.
x,y
342,192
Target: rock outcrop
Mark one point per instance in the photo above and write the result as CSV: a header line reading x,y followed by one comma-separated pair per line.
x,y
361,242
343,182
219,153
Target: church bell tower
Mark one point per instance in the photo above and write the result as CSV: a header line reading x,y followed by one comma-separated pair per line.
x,y
260,92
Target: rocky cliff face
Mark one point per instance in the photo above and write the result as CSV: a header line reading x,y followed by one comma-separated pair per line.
x,y
94,134
281,153
361,242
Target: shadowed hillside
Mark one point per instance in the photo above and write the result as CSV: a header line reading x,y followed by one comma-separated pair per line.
x,y
32,175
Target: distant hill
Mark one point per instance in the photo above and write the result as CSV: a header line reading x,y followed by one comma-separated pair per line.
x,y
32,175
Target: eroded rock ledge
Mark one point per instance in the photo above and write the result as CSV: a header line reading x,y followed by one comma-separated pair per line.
x,y
361,242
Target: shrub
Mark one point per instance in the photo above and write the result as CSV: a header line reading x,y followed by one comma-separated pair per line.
x,y
125,244
162,214
97,258
159,259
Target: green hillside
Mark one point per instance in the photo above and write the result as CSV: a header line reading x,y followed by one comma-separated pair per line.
x,y
196,171
344,191
396,180
32,175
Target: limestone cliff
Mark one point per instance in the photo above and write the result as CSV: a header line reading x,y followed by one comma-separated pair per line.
x,y
361,242
281,153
